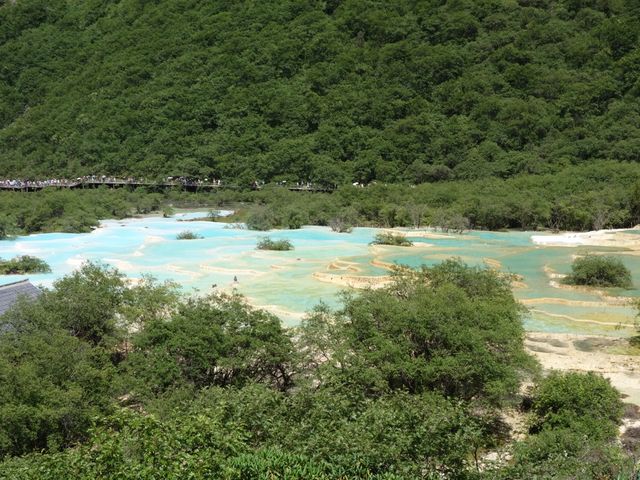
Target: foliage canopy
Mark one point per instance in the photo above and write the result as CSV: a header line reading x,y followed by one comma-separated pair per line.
x,y
102,380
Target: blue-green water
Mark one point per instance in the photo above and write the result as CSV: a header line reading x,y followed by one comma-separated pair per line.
x,y
288,283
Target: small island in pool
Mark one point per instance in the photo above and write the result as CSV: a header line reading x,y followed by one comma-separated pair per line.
x,y
23,264
267,243
599,271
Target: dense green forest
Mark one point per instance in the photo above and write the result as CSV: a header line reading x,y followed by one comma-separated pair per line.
x,y
323,91
100,379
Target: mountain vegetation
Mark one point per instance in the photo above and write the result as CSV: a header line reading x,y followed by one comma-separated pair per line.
x,y
325,91
102,380
531,104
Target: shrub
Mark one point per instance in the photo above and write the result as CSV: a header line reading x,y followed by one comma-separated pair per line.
x,y
213,341
340,225
267,244
388,238
188,235
294,220
167,211
4,233
235,226
344,221
460,335
573,431
261,219
23,264
566,400
451,222
599,271
565,453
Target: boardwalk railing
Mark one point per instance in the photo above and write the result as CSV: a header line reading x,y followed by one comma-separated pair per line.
x,y
92,182
29,186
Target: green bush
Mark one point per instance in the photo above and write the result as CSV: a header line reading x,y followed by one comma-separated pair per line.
x,y
4,230
340,225
395,239
218,340
167,211
565,453
566,400
261,219
599,271
267,244
573,431
266,464
23,264
58,355
188,235
402,382
450,328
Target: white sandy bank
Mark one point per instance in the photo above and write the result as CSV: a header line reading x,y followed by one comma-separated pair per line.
x,y
584,353
599,238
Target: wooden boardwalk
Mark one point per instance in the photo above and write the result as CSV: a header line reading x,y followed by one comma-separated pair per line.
x,y
33,186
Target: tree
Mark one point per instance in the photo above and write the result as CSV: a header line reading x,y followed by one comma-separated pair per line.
x,y
328,94
562,400
52,385
213,341
573,431
417,212
87,302
261,219
58,355
452,329
4,231
634,204
599,271
451,222
344,221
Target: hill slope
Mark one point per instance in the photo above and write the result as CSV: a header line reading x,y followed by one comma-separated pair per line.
x,y
327,91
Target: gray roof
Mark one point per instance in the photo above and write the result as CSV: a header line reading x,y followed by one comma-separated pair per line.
x,y
10,292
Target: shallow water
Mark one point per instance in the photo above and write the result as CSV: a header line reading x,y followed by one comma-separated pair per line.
x,y
285,283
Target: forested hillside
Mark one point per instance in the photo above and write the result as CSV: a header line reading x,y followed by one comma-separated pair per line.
x,y
324,91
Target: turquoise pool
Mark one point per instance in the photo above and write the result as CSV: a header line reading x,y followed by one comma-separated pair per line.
x,y
285,282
